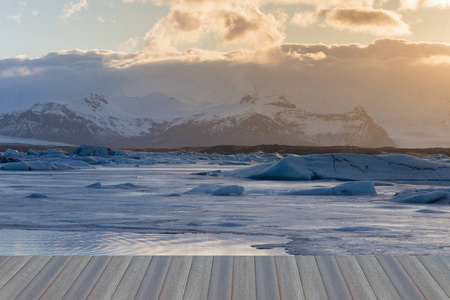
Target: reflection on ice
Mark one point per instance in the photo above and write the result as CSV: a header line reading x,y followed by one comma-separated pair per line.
x,y
32,242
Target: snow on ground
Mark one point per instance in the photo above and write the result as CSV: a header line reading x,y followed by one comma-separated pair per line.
x,y
158,203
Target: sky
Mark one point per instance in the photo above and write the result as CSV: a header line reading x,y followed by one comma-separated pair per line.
x,y
35,28
390,56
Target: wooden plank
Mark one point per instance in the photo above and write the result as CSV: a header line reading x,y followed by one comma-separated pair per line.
x,y
176,279
266,278
377,278
244,280
354,276
82,286
197,285
400,278
24,276
4,259
131,280
423,280
110,278
153,280
332,278
445,260
288,278
438,270
11,267
66,278
311,280
44,279
220,285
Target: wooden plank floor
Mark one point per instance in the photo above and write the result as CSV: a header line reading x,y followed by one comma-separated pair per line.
x,y
224,277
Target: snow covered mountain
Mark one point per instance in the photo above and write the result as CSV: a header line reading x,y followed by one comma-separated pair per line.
x,y
274,120
159,120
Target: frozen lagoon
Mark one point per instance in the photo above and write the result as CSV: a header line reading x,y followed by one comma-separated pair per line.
x,y
145,210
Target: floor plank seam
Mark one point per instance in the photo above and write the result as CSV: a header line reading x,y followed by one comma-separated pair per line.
x,y
56,277
431,274
387,275
320,273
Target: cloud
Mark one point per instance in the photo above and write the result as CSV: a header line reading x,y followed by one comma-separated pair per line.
x,y
304,19
321,3
374,21
19,72
100,19
241,25
415,4
35,13
401,84
17,18
72,8
129,45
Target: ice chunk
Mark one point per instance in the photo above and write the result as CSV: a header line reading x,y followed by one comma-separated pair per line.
x,y
7,159
291,167
122,186
10,152
229,190
36,196
29,166
88,150
204,189
420,197
353,188
97,185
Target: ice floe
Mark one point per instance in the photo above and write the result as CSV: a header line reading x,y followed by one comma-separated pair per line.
x,y
42,166
347,166
229,190
36,196
422,197
352,188
217,190
88,150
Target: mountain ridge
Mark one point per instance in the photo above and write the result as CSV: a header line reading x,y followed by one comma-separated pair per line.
x,y
250,121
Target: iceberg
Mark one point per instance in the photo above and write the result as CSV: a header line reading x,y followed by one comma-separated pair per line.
x,y
88,150
348,167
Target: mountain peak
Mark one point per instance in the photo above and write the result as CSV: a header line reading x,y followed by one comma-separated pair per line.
x,y
279,101
359,110
248,99
95,100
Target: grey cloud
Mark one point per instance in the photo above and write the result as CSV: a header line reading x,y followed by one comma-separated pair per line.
x,y
375,21
185,21
237,25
